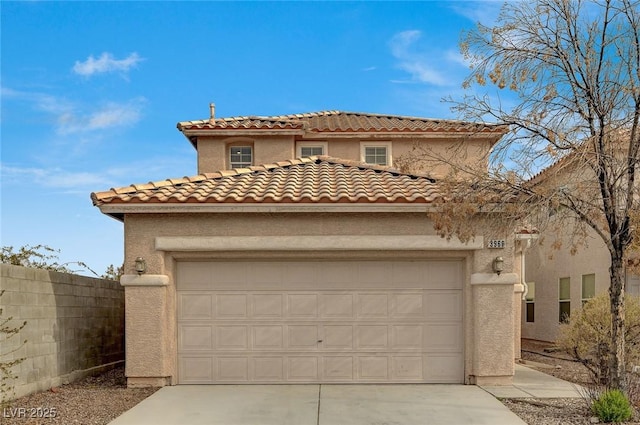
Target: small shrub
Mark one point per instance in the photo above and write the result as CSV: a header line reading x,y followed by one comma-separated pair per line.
x,y
612,406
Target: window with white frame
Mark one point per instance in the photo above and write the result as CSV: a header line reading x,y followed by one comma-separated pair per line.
x,y
376,153
311,148
588,287
564,299
240,156
530,299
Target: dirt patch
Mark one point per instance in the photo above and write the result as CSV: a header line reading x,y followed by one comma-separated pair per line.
x,y
92,401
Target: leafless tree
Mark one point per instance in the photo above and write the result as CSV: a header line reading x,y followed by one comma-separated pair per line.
x,y
572,72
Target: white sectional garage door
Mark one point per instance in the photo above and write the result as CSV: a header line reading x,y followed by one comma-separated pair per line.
x,y
320,322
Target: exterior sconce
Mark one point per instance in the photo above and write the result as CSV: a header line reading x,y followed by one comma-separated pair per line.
x,y
498,265
141,265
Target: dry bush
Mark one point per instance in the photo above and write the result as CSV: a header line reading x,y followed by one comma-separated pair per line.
x,y
588,334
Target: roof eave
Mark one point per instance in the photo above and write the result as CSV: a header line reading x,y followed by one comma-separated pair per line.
x,y
118,211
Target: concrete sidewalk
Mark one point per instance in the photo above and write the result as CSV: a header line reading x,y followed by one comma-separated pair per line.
x,y
529,383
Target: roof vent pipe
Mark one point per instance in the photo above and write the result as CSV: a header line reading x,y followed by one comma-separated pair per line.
x,y
212,113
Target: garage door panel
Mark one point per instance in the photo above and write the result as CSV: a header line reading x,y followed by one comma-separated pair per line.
x,y
373,368
297,273
269,369
442,368
268,337
444,337
231,306
196,306
407,337
195,370
407,305
338,273
302,337
195,337
279,322
444,305
373,305
267,306
230,337
445,275
302,306
408,368
232,369
375,272
302,369
337,306
337,337
338,368
372,337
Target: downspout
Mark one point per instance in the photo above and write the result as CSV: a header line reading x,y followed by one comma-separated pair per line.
x,y
525,239
523,282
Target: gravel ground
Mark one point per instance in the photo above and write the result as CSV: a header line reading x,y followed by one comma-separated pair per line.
x,y
555,411
91,401
98,400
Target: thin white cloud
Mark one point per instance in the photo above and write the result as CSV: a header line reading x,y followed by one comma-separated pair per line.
x,y
423,66
369,68
455,56
106,63
40,101
67,118
53,177
111,115
485,12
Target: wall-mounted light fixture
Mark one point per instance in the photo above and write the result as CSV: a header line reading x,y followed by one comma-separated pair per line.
x,y
498,265
141,265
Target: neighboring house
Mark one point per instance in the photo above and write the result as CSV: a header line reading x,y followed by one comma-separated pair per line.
x,y
558,280
311,270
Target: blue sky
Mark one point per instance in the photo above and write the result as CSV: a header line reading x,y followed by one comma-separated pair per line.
x,y
92,91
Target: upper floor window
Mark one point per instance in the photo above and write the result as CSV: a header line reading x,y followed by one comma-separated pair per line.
x,y
311,148
240,156
376,153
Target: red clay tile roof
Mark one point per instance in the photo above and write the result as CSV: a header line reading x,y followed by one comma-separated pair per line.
x,y
318,179
340,121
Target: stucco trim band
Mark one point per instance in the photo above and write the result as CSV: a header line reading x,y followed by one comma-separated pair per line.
x,y
144,280
314,243
494,279
264,208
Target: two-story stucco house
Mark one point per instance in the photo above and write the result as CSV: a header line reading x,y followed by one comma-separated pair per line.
x,y
298,254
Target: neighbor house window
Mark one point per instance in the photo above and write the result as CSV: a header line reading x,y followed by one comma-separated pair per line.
x,y
588,287
564,297
311,148
633,285
376,153
240,156
530,302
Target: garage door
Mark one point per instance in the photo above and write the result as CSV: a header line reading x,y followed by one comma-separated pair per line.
x,y
320,321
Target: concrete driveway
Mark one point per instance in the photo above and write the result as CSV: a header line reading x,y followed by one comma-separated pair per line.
x,y
320,405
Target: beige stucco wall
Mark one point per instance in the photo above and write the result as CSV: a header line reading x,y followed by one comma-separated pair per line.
x,y
213,151
151,313
545,266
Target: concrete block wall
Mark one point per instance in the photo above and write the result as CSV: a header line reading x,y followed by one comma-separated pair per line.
x,y
75,326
